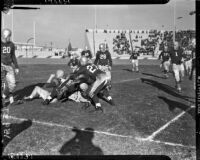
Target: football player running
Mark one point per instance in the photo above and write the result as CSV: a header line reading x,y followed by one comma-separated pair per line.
x,y
176,55
165,56
99,86
188,60
104,61
134,60
8,59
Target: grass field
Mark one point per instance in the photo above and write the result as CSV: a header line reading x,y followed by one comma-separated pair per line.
x,y
149,117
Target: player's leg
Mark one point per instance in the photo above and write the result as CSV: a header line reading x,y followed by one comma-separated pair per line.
x,y
176,76
38,92
133,65
136,65
181,71
105,95
166,68
10,78
95,88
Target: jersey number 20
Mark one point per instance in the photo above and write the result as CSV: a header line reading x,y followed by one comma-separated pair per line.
x,y
6,50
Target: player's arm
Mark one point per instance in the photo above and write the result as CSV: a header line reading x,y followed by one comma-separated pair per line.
x,y
160,55
109,59
97,58
14,59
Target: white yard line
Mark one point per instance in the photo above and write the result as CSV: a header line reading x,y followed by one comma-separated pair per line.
x,y
69,127
165,126
100,132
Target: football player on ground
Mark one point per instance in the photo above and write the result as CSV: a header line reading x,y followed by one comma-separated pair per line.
x,y
165,56
8,59
54,81
176,55
134,60
100,84
87,54
104,61
74,62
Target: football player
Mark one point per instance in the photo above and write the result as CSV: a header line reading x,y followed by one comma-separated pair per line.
x,y
54,81
188,60
8,59
165,56
134,60
193,70
87,54
103,60
176,55
74,62
100,78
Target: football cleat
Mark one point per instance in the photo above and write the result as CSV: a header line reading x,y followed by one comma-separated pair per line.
x,y
11,99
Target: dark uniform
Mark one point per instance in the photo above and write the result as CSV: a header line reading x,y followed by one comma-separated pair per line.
x,y
165,56
8,59
104,62
177,66
87,54
73,64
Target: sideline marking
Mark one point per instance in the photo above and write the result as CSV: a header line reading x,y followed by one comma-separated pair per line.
x,y
100,132
69,127
128,80
166,125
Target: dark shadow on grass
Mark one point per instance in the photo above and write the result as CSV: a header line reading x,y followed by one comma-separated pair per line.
x,y
170,90
11,130
153,75
129,70
26,91
175,104
81,144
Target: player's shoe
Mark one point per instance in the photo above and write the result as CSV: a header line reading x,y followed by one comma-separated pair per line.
x,y
28,99
99,109
46,102
11,99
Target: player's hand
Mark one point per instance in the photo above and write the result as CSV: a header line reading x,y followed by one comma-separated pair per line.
x,y
17,71
109,68
52,75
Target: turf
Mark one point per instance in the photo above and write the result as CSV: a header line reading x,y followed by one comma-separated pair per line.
x,y
144,101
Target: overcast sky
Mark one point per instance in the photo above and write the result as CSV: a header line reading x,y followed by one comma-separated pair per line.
x,y
58,24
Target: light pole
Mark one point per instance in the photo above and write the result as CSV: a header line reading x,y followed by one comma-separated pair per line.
x,y
27,44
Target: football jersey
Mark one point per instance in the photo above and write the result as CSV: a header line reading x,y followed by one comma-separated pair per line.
x,y
176,56
134,55
103,58
188,55
165,56
73,62
90,70
8,54
87,54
